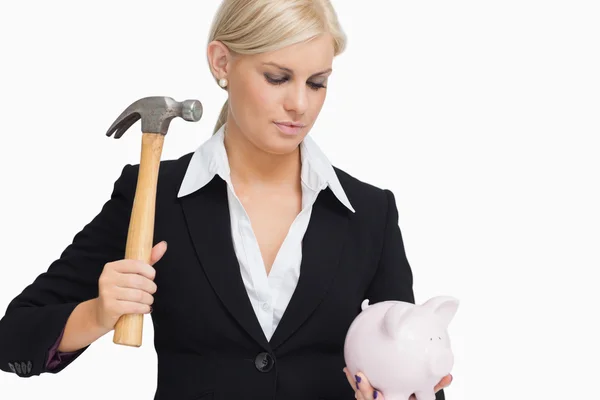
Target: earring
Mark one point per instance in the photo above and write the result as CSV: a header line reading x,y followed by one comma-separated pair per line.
x,y
223,82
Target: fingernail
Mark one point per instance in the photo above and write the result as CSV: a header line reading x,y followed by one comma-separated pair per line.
x,y
357,380
375,394
151,308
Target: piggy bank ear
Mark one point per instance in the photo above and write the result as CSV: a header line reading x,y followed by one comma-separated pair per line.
x,y
443,307
395,318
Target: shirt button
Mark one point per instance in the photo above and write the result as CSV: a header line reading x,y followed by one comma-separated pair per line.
x,y
266,306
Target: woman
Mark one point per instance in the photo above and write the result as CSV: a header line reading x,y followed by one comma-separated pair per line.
x,y
271,248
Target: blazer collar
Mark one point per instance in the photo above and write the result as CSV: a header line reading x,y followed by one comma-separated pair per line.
x,y
208,220
210,159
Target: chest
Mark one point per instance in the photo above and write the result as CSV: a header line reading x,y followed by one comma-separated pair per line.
x,y
271,216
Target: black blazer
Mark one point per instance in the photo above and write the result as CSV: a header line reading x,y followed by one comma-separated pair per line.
x,y
208,341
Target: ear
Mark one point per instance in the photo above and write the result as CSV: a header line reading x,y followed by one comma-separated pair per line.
x,y
219,58
443,307
395,318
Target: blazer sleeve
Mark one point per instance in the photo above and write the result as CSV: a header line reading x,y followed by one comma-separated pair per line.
x,y
35,319
393,279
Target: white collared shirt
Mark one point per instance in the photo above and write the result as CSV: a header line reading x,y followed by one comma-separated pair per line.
x,y
268,294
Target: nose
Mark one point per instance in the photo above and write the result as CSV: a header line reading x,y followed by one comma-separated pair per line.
x,y
296,99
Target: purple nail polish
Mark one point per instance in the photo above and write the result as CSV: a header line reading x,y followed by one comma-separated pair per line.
x,y
375,394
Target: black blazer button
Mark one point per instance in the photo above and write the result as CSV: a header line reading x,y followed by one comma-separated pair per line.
x,y
264,362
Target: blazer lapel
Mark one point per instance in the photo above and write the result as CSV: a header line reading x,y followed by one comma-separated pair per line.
x,y
208,220
321,249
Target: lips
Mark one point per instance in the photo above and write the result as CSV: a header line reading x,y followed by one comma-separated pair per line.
x,y
290,124
288,129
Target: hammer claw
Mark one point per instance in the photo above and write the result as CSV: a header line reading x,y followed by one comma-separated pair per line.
x,y
123,123
126,124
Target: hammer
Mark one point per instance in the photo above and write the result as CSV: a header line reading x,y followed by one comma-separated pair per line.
x,y
156,113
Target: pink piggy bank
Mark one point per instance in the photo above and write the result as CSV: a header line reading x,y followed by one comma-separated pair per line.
x,y
402,348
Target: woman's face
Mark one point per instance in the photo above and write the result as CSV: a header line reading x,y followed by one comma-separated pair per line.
x,y
287,86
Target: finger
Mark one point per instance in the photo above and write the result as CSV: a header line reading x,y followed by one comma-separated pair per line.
x,y
365,387
131,266
157,252
351,380
134,295
445,382
132,307
136,281
357,383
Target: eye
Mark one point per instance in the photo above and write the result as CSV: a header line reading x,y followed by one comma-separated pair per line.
x,y
316,86
312,85
275,81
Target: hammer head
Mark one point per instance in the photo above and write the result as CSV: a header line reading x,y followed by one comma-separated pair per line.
x,y
156,113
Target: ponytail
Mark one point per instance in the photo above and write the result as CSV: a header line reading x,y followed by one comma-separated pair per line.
x,y
222,117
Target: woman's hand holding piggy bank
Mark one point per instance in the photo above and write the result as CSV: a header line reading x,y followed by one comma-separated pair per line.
x,y
364,390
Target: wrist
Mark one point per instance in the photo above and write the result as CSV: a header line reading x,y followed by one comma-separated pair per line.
x,y
82,327
94,321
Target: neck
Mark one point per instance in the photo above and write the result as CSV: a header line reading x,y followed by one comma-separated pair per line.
x,y
251,166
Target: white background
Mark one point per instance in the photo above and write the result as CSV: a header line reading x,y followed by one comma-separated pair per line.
x,y
482,117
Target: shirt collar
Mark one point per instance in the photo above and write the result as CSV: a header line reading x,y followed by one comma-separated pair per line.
x,y
210,159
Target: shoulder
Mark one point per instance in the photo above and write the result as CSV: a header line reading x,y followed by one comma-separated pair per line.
x,y
170,174
375,208
365,197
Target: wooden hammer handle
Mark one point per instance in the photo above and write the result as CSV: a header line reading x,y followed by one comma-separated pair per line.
x,y
128,329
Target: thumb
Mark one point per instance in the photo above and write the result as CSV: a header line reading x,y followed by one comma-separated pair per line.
x,y
157,252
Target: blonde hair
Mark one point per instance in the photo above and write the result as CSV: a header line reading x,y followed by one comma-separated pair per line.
x,y
257,26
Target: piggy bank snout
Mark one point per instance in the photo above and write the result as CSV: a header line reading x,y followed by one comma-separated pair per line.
x,y
441,364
